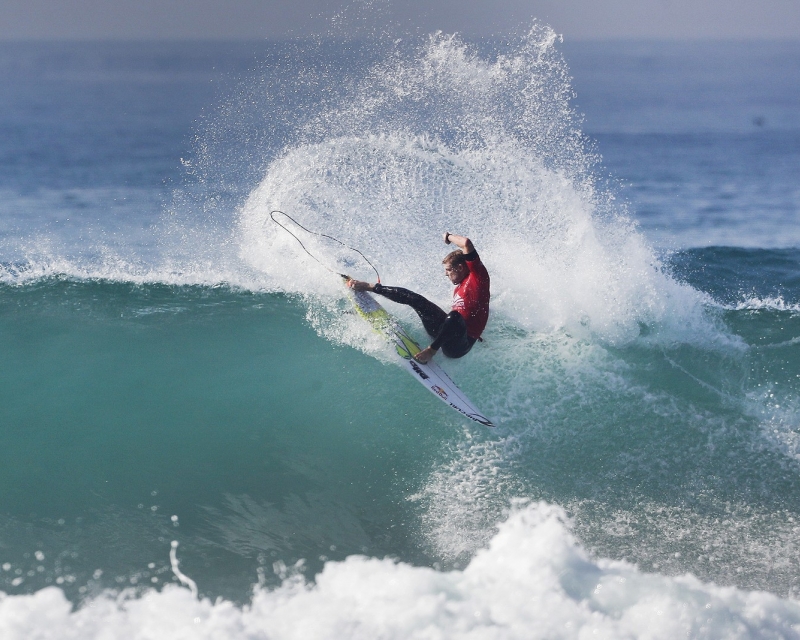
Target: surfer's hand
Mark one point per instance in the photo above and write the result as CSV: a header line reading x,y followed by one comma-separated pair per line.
x,y
462,242
425,355
446,237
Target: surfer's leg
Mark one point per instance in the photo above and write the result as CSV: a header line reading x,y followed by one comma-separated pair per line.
x,y
431,315
452,338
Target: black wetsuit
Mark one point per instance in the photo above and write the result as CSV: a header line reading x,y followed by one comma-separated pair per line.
x,y
448,330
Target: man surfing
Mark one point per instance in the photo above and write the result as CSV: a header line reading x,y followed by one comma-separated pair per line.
x,y
455,332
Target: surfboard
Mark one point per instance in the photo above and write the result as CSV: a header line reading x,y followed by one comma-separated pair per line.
x,y
430,374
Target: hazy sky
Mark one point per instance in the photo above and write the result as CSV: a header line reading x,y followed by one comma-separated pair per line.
x,y
256,19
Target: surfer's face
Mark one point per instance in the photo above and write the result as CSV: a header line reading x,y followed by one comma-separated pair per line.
x,y
456,272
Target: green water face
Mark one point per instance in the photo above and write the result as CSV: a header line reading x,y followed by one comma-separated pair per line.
x,y
123,407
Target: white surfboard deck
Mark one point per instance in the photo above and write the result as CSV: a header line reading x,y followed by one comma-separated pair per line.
x,y
431,374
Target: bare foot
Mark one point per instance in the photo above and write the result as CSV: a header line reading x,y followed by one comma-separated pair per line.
x,y
425,355
358,285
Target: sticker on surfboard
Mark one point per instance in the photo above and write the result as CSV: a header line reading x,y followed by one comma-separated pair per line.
x,y
430,374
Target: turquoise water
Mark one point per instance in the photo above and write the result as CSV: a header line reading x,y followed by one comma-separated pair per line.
x,y
140,397
175,368
125,405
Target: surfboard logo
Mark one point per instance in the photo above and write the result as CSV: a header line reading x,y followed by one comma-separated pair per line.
x,y
419,371
477,417
439,392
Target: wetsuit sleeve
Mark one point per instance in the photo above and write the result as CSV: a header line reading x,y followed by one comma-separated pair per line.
x,y
475,266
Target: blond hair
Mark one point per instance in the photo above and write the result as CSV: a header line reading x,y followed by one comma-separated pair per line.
x,y
455,258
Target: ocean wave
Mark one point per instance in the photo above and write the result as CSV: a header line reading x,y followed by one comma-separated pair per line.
x,y
533,581
115,268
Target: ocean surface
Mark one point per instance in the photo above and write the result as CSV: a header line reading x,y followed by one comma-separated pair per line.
x,y
199,439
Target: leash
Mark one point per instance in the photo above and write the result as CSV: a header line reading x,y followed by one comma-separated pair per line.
x,y
321,235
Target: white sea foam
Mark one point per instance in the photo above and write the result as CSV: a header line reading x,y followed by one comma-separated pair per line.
x,y
769,303
533,581
42,259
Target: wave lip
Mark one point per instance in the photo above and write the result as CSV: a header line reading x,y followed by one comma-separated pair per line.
x,y
533,581
769,303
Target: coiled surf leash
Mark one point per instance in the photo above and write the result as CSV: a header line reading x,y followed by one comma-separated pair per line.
x,y
321,235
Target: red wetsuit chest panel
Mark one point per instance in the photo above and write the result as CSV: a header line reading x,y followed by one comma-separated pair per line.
x,y
471,297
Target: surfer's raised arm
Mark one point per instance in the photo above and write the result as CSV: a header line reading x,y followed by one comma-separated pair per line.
x,y
462,242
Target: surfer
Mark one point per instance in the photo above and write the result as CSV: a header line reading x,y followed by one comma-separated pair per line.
x,y
455,332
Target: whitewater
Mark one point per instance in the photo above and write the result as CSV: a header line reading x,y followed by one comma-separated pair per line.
x,y
201,440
